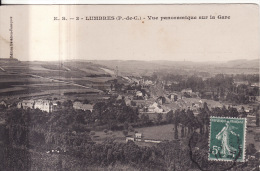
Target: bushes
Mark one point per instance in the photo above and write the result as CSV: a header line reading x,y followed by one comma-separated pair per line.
x,y
130,128
150,158
105,156
117,127
125,132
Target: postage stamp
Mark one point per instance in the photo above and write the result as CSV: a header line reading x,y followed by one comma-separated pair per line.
x,y
227,139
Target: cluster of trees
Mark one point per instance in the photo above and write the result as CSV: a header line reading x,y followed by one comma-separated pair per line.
x,y
34,125
145,120
195,82
110,113
242,94
14,142
33,129
192,153
184,120
251,78
65,119
116,85
219,87
217,83
167,155
114,112
187,122
27,129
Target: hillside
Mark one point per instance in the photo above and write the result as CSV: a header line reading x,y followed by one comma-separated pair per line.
x,y
39,78
138,68
243,63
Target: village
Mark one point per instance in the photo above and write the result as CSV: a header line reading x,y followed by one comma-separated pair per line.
x,y
148,111
151,98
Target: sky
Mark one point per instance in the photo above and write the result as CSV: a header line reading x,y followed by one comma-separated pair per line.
x,y
38,37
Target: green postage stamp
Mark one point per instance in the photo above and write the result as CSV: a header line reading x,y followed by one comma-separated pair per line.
x,y
227,139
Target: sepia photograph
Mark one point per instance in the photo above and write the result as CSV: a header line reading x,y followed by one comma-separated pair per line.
x,y
130,87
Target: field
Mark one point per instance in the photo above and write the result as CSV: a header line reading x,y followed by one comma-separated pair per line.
x,y
29,79
160,132
90,79
6,90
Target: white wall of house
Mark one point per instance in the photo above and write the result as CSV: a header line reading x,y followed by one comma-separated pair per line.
x,y
43,105
81,106
27,104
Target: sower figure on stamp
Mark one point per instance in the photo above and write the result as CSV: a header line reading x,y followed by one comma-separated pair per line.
x,y
224,136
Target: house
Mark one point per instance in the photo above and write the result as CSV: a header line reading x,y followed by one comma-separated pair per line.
x,y
207,94
130,91
161,100
134,80
188,91
138,135
128,101
119,97
80,106
129,139
126,78
44,105
25,104
55,106
3,103
195,105
139,103
146,84
139,94
173,97
238,82
154,108
255,84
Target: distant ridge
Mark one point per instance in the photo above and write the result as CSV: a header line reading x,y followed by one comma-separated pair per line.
x,y
243,63
162,61
8,59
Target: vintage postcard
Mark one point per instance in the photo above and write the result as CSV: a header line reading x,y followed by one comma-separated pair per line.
x,y
129,87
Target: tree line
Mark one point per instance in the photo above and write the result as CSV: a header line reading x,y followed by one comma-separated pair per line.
x,y
219,87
